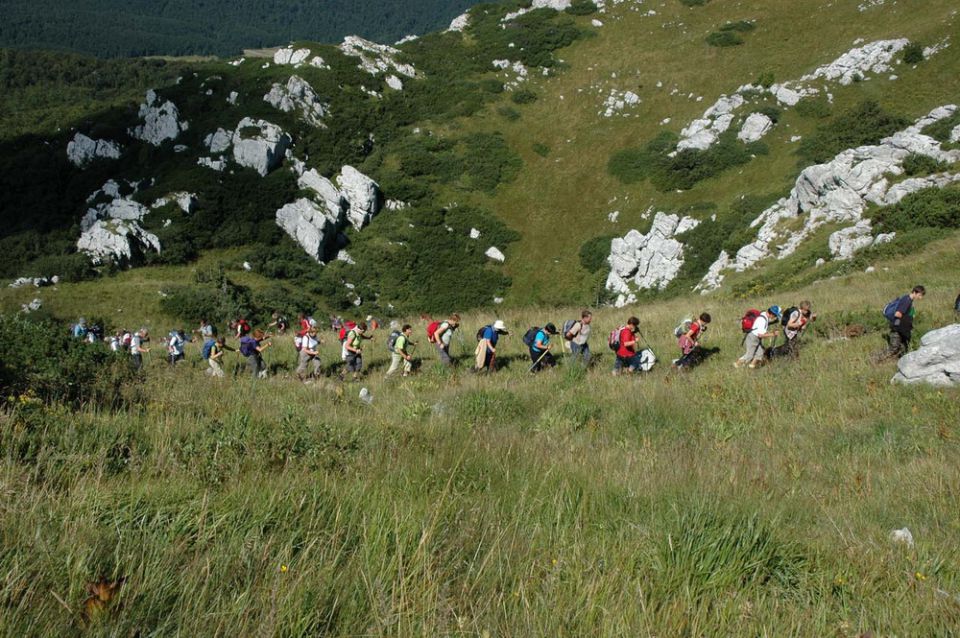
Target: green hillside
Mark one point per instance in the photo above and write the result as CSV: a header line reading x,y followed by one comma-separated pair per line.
x,y
112,28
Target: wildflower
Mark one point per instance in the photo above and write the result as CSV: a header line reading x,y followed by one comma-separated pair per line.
x,y
283,569
920,576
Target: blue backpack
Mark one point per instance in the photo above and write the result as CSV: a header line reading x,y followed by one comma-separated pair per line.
x,y
207,347
890,310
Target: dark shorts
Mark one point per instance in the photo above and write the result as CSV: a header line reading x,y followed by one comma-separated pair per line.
x,y
354,362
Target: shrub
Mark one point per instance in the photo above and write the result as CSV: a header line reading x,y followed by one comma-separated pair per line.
x,y
724,39
815,108
772,112
634,164
594,253
582,8
941,129
524,96
70,268
867,123
686,168
741,26
927,208
508,113
489,161
916,164
766,79
694,3
541,149
39,359
218,303
913,53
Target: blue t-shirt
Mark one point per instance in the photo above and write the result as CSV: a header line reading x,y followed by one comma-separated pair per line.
x,y
491,335
541,337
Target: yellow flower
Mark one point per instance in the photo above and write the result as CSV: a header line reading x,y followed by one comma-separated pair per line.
x,y
920,576
283,569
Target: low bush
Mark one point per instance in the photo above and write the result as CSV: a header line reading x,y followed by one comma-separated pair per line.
x,y
41,361
508,113
916,164
524,96
818,108
867,123
927,208
594,253
582,8
913,53
724,39
541,149
694,3
634,164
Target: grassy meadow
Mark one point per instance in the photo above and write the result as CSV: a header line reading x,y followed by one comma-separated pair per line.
x,y
718,502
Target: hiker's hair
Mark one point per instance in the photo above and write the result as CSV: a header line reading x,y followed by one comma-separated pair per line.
x,y
455,317
258,334
705,317
406,327
804,305
585,314
362,326
221,340
920,290
633,321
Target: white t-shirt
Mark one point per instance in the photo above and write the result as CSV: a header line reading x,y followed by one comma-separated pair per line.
x,y
309,343
135,343
176,345
790,332
447,335
760,325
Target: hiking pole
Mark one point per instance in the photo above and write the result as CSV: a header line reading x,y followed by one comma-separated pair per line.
x,y
537,362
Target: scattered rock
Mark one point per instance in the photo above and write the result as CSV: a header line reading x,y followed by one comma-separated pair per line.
x,y
218,165
394,83
495,254
33,306
82,150
845,243
187,202
460,23
289,56
366,396
219,141
376,58
875,57
474,233
647,261
936,362
701,134
116,240
161,122
298,95
232,98
259,145
902,536
754,128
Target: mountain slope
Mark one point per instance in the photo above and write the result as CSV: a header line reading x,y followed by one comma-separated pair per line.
x,y
111,28
542,135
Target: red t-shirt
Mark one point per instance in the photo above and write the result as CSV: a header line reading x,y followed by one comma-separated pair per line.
x,y
623,351
695,330
304,327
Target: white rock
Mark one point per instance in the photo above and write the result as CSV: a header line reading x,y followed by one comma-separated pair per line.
x,y
474,233
394,83
121,208
289,56
613,216
393,204
161,122
875,57
376,58
955,134
116,240
754,128
262,150
33,306
558,5
310,226
703,133
219,141
844,243
319,63
362,195
247,266
345,257
82,150
218,165
647,261
596,23
460,23
187,202
902,536
232,98
298,95
495,254
936,362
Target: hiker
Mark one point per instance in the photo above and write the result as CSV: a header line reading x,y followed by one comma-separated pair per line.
x,y
442,335
215,350
900,313
206,330
689,341
402,352
79,329
279,322
353,349
956,305
539,344
795,321
136,347
309,354
252,347
175,346
242,327
578,335
624,341
95,333
757,328
486,352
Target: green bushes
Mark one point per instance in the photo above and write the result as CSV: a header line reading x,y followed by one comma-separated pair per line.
x,y
741,26
524,96
941,129
927,208
541,149
912,53
867,123
582,8
817,108
594,253
488,161
915,164
724,39
40,360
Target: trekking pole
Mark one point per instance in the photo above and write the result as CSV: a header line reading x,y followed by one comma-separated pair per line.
x,y
537,362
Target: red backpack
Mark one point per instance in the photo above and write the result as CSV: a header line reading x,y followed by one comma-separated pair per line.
x,y
345,330
432,330
746,322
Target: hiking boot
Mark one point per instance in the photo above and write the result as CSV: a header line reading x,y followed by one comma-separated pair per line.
x,y
738,363
754,365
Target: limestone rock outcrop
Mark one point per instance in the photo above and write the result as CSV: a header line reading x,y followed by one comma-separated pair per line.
x,y
754,128
259,145
376,58
298,95
161,121
702,133
848,241
219,141
83,150
186,202
310,226
291,56
645,261
116,240
936,362
362,195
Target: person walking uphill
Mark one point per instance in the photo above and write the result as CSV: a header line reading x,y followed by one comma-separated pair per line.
x,y
899,314
689,341
540,346
252,347
215,357
353,347
795,322
309,355
626,348
136,347
442,336
757,326
486,352
402,352
578,334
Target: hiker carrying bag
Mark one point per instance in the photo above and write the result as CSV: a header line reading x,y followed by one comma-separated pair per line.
x,y
568,326
613,341
530,336
890,310
392,341
248,346
746,322
788,314
683,327
432,330
207,348
481,331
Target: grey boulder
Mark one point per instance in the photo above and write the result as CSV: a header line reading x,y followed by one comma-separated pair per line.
x,y
936,362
